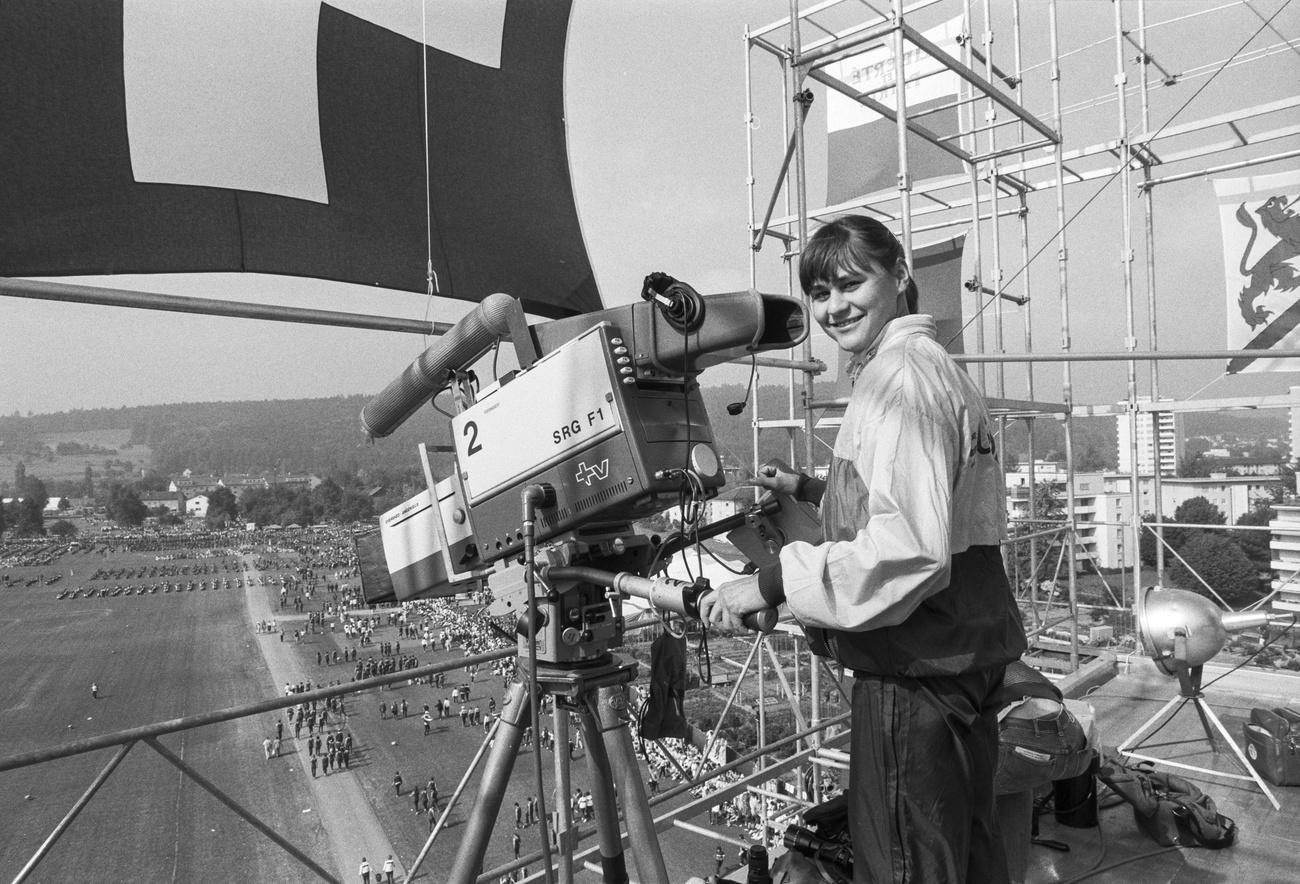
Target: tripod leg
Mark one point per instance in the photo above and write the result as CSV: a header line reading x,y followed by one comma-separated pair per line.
x,y
1133,742
1205,724
563,817
644,840
613,863
492,789
1241,756
1189,681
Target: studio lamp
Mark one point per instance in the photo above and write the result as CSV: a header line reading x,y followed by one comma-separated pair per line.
x,y
1181,631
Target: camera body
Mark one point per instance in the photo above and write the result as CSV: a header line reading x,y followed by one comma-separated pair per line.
x,y
604,411
613,448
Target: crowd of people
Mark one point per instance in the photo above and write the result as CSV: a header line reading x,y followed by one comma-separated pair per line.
x,y
321,725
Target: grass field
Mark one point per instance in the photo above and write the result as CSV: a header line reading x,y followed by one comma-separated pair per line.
x,y
155,657
55,467
160,656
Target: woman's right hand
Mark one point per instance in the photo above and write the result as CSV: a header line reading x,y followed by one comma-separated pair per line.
x,y
776,476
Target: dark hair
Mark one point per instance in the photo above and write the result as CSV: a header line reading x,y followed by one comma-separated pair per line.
x,y
852,239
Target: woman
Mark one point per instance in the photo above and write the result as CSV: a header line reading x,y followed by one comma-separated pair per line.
x,y
908,589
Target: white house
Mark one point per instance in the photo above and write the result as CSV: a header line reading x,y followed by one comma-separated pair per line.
x,y
172,500
197,505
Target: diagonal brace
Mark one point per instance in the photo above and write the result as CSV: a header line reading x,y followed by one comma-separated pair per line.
x,y
72,813
235,806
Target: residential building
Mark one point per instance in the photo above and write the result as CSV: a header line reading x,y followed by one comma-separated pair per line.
x,y
1157,441
188,484
1250,466
1233,495
1285,544
305,482
1103,506
172,500
239,483
1043,471
197,505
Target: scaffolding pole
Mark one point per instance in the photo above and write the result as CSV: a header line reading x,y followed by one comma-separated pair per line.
x,y
1063,288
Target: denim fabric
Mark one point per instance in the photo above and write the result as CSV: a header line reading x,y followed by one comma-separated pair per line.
x,y
1036,751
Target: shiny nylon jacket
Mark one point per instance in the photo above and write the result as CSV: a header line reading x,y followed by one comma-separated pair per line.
x,y
910,579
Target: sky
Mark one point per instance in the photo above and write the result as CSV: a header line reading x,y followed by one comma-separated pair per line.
x,y
656,117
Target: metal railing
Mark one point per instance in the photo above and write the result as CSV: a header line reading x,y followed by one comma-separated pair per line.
x,y
815,738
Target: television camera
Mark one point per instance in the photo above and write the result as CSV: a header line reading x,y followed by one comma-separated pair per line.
x,y
602,423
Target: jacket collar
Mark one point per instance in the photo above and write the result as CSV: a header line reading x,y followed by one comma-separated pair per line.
x,y
894,332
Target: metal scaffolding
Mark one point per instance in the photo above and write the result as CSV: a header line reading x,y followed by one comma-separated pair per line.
x,y
1004,162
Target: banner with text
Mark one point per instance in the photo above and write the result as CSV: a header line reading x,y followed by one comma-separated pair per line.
x,y
862,146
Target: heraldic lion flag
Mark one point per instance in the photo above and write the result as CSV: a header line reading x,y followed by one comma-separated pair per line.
x,y
1261,253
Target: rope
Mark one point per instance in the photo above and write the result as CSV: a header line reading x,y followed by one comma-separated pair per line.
x,y
431,283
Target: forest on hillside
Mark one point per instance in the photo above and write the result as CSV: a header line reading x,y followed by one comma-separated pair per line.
x,y
323,436
317,435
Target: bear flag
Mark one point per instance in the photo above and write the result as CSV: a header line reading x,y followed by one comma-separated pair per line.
x,y
1261,255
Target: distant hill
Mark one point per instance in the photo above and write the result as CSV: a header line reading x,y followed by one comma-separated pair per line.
x,y
299,435
290,435
324,436
1244,424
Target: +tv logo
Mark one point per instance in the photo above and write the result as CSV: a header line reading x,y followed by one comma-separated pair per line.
x,y
598,472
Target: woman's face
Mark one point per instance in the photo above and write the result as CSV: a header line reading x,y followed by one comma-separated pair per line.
x,y
854,307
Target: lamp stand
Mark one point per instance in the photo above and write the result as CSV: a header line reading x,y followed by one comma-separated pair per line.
x,y
1189,682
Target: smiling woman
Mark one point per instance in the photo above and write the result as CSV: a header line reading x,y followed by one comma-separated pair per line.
x,y
857,280
908,590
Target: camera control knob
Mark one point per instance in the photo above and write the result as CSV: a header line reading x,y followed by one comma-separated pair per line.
x,y
571,636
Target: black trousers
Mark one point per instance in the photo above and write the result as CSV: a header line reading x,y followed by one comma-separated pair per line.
x,y
923,752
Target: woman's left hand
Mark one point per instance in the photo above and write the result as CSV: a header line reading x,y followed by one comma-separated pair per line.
x,y
727,606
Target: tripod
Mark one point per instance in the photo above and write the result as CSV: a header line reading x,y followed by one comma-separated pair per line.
x,y
572,626
596,693
1189,683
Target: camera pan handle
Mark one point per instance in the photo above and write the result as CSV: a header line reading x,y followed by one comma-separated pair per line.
x,y
467,340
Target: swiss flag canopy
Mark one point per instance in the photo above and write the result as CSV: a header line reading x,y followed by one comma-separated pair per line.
x,y
289,138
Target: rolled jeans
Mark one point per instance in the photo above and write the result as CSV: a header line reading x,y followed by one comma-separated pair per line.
x,y
1035,751
921,800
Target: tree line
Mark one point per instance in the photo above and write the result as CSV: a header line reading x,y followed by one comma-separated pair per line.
x,y
1236,564
339,498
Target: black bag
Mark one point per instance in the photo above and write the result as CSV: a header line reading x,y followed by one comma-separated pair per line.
x,y
665,713
1273,745
1168,808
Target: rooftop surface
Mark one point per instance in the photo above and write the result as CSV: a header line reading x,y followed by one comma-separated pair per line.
x,y
1268,843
